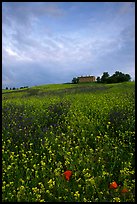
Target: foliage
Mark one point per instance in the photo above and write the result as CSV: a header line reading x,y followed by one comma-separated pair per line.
x,y
69,143
104,77
98,79
117,77
75,80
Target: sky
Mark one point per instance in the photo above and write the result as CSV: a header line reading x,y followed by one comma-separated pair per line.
x,y
52,42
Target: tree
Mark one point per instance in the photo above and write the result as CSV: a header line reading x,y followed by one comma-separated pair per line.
x,y
104,77
118,77
127,77
98,79
75,80
6,88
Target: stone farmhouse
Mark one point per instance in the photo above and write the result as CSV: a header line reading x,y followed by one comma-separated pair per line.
x,y
86,79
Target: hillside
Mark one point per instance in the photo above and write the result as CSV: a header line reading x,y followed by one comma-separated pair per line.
x,y
88,129
61,89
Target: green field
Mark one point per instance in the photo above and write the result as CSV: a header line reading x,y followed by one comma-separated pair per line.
x,y
86,128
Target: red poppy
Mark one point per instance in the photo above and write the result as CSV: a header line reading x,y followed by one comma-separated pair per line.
x,y
124,190
68,174
113,185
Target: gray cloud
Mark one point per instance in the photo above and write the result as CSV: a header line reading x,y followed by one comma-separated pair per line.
x,y
34,52
24,12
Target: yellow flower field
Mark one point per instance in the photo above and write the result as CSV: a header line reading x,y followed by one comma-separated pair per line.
x,y
72,143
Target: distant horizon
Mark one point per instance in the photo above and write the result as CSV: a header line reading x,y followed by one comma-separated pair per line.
x,y
52,42
3,88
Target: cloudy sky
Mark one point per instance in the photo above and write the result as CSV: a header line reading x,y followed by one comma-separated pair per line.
x,y
52,42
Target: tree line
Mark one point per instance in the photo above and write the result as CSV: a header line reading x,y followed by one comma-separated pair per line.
x,y
117,77
22,87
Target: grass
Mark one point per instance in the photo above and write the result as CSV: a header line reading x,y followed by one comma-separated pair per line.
x,y
86,128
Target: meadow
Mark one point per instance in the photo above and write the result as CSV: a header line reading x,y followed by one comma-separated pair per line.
x,y
88,129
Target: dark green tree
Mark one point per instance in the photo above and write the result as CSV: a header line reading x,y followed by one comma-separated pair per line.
x,y
118,77
104,77
127,77
98,79
75,80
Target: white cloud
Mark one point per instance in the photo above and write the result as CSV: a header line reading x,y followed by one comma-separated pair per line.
x,y
11,52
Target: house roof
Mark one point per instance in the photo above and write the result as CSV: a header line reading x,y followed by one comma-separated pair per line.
x,y
86,76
